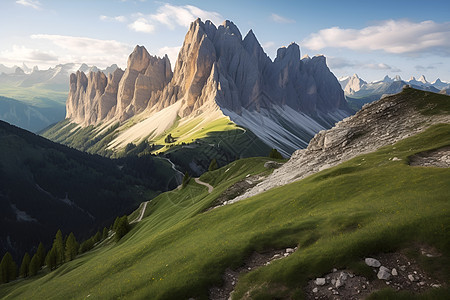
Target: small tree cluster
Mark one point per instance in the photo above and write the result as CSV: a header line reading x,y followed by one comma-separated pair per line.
x,y
213,165
169,139
275,154
8,268
121,227
63,250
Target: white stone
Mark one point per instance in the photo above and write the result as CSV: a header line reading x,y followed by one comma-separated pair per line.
x,y
372,262
383,273
394,272
315,290
320,281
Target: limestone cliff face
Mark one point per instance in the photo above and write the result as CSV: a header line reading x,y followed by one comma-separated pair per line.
x,y
95,98
215,66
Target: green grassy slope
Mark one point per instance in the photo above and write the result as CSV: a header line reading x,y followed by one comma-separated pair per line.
x,y
192,151
367,205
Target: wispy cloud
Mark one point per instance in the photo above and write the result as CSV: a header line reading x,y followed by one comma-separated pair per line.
x,y
280,19
142,25
24,54
113,19
342,63
392,36
172,16
30,3
87,50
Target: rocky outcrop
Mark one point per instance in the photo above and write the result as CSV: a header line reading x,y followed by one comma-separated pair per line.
x,y
218,69
380,123
95,98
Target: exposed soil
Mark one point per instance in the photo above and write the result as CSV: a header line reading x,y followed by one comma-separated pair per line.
x,y
410,277
256,260
436,158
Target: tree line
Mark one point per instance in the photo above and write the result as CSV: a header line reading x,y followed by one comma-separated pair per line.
x,y
63,250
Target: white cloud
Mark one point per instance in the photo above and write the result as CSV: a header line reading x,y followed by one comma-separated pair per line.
x,y
183,15
172,16
172,53
342,63
87,50
142,25
30,3
113,19
392,36
280,19
19,54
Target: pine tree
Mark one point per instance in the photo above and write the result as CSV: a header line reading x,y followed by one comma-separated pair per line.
x,y
275,154
97,237
186,179
40,253
122,227
25,266
51,259
105,233
58,245
213,165
116,221
34,265
72,247
8,268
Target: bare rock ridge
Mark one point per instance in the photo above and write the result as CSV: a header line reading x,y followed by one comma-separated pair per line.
x,y
95,98
380,123
291,97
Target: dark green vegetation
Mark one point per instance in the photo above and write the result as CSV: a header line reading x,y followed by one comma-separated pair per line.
x,y
29,117
45,186
337,217
193,156
275,154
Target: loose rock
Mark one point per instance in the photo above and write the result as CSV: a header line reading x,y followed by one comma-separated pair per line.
x,y
372,262
320,281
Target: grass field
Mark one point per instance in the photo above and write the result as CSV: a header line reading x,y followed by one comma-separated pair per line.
x,y
367,205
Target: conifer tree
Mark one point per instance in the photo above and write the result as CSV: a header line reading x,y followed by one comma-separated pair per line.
x,y
34,265
97,237
275,154
72,247
122,227
213,165
51,259
40,254
105,233
186,179
58,245
25,266
8,268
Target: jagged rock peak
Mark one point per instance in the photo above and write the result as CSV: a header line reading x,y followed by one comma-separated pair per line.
x,y
231,29
292,52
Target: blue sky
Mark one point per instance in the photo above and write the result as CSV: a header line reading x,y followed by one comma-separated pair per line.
x,y
370,38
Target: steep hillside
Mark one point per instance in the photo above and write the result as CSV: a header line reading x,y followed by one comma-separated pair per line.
x,y
29,117
276,243
219,77
378,124
45,186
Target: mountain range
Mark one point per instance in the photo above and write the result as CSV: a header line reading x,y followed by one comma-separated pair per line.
x,y
356,203
33,99
222,83
358,92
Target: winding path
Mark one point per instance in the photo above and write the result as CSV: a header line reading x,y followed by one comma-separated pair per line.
x,y
141,215
210,187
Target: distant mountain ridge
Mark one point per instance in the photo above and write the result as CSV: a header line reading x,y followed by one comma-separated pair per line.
x,y
358,92
218,74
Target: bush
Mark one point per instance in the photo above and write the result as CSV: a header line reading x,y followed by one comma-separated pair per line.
x,y
122,227
275,154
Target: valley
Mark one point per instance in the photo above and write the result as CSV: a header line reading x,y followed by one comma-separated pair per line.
x,y
160,150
